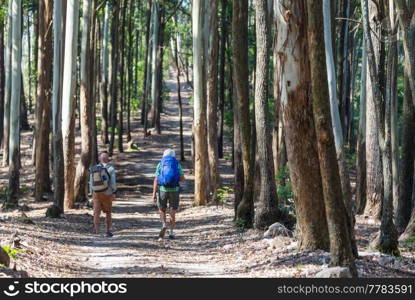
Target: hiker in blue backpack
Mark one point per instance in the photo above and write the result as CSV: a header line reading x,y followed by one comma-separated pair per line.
x,y
168,174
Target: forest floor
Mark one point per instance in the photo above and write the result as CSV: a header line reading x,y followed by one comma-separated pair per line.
x,y
207,244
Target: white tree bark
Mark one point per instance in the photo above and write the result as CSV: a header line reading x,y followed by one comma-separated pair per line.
x,y
331,75
154,70
105,43
7,87
69,83
16,88
199,110
85,107
58,166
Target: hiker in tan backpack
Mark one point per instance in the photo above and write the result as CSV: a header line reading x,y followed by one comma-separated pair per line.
x,y
102,183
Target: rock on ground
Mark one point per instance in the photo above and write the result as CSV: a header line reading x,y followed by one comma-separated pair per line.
x,y
277,229
335,272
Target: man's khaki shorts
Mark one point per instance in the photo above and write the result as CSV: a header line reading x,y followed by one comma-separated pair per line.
x,y
102,202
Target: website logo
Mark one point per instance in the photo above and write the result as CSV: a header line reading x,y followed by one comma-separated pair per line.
x,y
12,290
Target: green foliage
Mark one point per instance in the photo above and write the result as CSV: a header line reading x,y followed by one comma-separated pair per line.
x,y
98,121
13,253
227,156
284,191
111,129
223,193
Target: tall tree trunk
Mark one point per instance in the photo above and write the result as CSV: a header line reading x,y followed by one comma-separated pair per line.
x,y
85,107
292,86
68,101
130,67
403,210
58,164
35,5
146,67
212,97
29,62
344,81
268,211
245,209
336,123
114,67
221,94
160,63
43,107
7,87
104,77
94,65
155,64
2,79
340,239
374,178
122,78
361,140
392,98
388,239
15,98
179,96
201,156
406,14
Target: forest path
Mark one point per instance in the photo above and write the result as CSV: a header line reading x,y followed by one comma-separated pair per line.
x,y
135,250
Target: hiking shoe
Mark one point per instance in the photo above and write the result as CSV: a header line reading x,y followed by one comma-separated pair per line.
x,y
171,236
109,234
162,232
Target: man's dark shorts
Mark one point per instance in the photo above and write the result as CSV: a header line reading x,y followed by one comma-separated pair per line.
x,y
172,198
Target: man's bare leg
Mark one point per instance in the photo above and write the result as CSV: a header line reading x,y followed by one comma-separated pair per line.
x,y
172,214
97,214
163,221
96,222
108,219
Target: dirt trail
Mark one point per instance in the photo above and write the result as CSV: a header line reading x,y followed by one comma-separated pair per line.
x,y
134,250
207,244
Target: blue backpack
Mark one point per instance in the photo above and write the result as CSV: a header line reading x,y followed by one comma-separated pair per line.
x,y
169,174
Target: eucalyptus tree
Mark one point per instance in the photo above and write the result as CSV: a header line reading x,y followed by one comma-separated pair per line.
x,y
212,96
404,218
292,86
388,238
199,119
155,66
104,76
243,160
335,117
7,86
58,164
114,72
336,211
15,98
68,101
43,103
85,106
374,178
361,140
267,212
2,75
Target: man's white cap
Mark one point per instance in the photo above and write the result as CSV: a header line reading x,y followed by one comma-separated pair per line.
x,y
169,152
